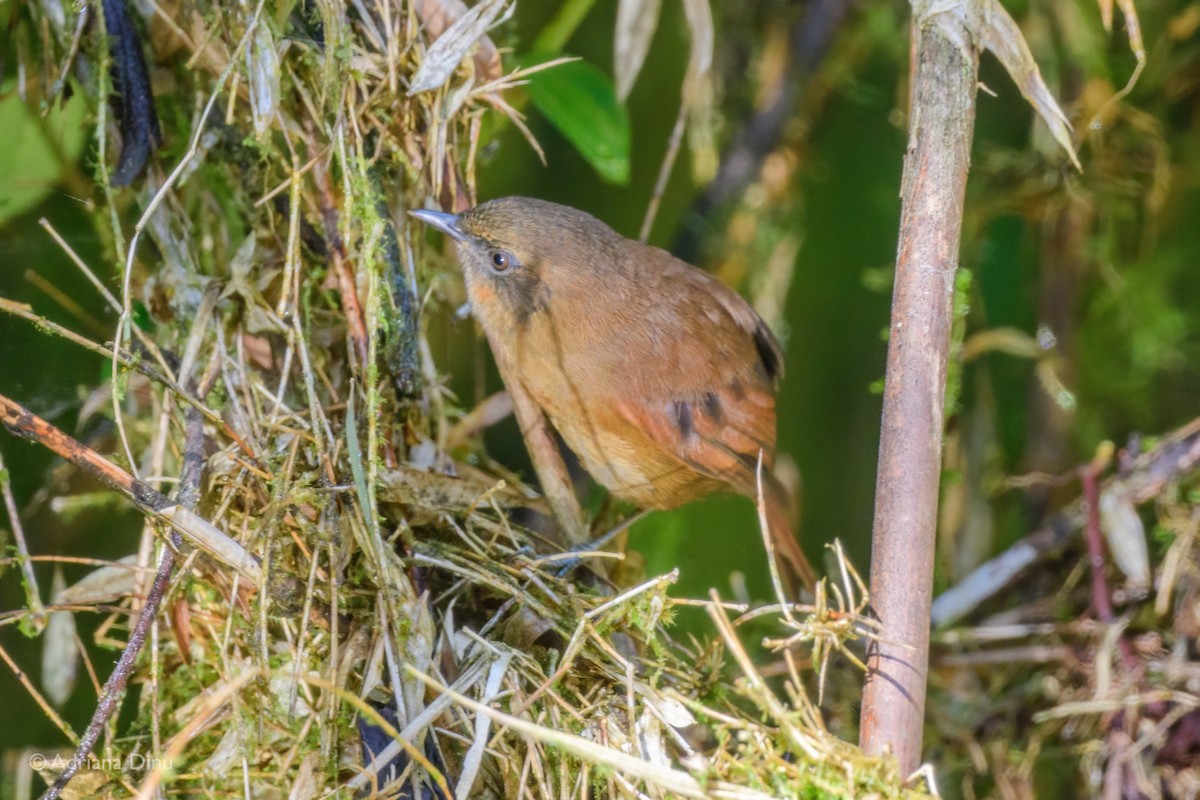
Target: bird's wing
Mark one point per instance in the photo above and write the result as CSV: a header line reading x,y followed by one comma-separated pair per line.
x,y
718,434
715,407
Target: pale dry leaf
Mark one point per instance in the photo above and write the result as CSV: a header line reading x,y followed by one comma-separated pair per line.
x,y
699,68
494,409
1133,28
438,15
308,783
89,782
367,65
424,488
285,686
262,69
1126,537
636,23
650,739
100,586
483,724
448,51
60,657
672,712
230,750
699,93
415,647
1000,34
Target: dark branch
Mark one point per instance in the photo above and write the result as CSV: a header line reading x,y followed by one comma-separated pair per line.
x,y
140,134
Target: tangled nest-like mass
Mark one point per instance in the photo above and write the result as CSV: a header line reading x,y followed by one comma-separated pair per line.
x,y
270,309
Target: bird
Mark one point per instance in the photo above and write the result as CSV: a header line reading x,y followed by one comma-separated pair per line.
x,y
657,375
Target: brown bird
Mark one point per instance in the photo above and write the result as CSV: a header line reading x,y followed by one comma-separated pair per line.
x,y
659,377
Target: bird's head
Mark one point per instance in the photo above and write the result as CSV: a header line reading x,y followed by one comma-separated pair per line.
x,y
518,253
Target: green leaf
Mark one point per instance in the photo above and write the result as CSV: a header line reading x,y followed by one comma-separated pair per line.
x,y
580,100
37,150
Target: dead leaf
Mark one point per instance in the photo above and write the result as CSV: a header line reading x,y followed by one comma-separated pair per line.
x,y
526,628
181,626
262,68
636,23
698,92
309,779
1001,35
451,47
433,490
1133,28
494,409
438,15
103,585
89,783
60,657
700,25
475,754
1126,537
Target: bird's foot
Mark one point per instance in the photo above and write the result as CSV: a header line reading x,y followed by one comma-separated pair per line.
x,y
571,558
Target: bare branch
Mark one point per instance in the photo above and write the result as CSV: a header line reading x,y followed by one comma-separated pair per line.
x,y
906,493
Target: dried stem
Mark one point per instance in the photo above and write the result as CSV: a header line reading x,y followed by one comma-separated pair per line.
x,y
664,172
33,598
906,495
1090,475
1174,458
114,688
20,421
356,327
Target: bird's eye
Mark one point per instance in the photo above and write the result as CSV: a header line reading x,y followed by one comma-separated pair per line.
x,y
501,260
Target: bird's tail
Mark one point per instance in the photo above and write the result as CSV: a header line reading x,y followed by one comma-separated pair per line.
x,y
777,510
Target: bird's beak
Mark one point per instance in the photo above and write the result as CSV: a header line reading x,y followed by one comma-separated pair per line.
x,y
446,223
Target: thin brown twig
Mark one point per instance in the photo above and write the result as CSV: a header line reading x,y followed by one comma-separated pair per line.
x,y
32,596
67,302
37,696
1101,599
356,327
114,687
664,172
112,301
188,495
22,422
125,359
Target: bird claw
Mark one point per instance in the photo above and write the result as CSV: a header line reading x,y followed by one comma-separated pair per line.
x,y
597,544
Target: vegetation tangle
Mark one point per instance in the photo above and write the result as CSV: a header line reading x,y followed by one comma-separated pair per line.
x,y
337,589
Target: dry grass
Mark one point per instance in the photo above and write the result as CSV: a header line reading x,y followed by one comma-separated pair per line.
x,y
1043,683
289,297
